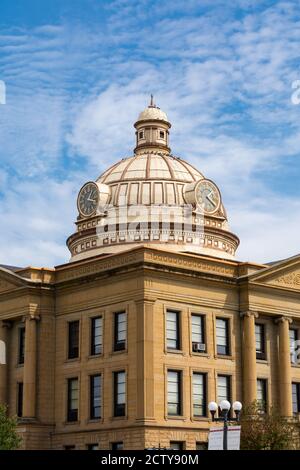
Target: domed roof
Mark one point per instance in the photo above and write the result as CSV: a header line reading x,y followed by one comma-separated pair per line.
x,y
150,166
152,112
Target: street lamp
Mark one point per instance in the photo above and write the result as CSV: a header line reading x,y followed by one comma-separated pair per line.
x,y
224,407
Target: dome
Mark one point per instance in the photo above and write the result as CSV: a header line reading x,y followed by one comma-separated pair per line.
x,y
151,198
153,113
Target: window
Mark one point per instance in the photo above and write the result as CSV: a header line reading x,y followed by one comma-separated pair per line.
x,y
72,414
92,447
20,399
223,388
73,350
174,393
141,135
120,331
199,394
21,354
173,339
95,396
262,394
119,393
293,344
97,335
176,445
117,446
161,134
260,341
201,445
222,326
198,340
296,397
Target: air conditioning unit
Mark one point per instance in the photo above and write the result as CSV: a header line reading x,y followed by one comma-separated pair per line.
x,y
199,347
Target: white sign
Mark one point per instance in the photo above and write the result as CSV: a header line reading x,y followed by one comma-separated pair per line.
x,y
215,438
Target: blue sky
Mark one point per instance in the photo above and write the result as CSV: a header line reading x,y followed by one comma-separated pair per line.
x,y
77,74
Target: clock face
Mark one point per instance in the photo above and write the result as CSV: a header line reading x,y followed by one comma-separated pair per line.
x,y
208,196
88,199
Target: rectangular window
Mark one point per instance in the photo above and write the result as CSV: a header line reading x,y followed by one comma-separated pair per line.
x,y
199,394
174,393
201,445
173,338
95,396
97,335
117,446
92,447
20,399
260,341
73,340
222,330
198,340
296,397
293,344
73,394
119,393
21,354
120,331
262,394
223,388
176,445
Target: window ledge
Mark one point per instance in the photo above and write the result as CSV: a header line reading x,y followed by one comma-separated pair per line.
x,y
200,419
94,421
122,351
202,354
262,361
175,351
175,418
71,423
116,418
221,356
75,359
95,356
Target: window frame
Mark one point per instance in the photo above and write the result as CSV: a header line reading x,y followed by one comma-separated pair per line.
x,y
119,345
20,397
264,406
261,354
227,352
92,414
72,413
204,392
21,345
93,343
297,385
179,403
75,354
119,409
177,339
203,332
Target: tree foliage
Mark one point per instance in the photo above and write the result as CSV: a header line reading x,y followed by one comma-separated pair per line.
x,y
9,438
268,431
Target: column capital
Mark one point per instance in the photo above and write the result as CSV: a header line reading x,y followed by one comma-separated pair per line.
x,y
283,319
249,313
6,324
31,316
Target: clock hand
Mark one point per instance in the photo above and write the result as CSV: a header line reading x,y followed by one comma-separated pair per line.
x,y
208,197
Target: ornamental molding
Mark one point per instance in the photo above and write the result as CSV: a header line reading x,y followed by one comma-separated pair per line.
x,y
66,273
249,313
288,280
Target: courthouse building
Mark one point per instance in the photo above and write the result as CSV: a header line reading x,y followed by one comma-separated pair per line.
x,y
151,319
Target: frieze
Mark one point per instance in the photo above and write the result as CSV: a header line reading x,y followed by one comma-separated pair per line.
x,y
288,280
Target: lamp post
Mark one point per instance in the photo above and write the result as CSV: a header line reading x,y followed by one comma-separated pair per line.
x,y
225,408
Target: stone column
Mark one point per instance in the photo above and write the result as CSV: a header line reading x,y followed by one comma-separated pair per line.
x,y
4,327
249,357
30,362
284,369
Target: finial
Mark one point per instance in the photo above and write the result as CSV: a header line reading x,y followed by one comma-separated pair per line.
x,y
151,102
